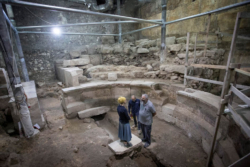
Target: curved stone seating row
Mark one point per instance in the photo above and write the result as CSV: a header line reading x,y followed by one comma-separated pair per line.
x,y
194,111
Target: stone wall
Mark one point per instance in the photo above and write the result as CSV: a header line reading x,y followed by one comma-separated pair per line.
x,y
223,21
41,50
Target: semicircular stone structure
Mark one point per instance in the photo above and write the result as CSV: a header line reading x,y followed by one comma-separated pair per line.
x,y
192,110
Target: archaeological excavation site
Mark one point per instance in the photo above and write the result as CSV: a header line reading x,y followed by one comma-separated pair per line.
x,y
124,83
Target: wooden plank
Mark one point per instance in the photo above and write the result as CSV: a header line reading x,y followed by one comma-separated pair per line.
x,y
245,15
208,25
195,44
242,65
205,80
208,42
241,95
209,66
186,58
242,72
205,33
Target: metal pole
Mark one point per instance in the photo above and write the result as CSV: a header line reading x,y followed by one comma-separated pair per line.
x,y
131,32
79,24
163,30
19,49
119,25
13,74
225,87
42,6
66,33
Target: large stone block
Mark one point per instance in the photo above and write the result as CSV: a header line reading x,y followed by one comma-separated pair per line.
x,y
76,62
93,112
168,109
106,49
173,68
73,108
142,50
75,54
181,40
120,91
71,78
108,40
175,47
145,43
112,76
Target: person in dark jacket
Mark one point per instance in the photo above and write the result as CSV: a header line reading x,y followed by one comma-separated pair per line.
x,y
124,127
134,106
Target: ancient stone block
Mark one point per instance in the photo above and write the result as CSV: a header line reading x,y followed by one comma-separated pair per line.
x,y
82,79
76,62
154,49
133,49
73,108
75,54
168,109
93,112
181,55
108,40
181,40
142,50
112,76
145,43
149,67
173,68
117,48
175,47
106,49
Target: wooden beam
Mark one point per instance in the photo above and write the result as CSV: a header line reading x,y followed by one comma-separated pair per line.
x,y
205,80
209,66
242,72
186,58
241,95
208,25
242,65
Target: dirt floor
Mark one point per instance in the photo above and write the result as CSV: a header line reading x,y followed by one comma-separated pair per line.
x,y
78,143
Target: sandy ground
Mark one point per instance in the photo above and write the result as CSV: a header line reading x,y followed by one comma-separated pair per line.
x,y
81,144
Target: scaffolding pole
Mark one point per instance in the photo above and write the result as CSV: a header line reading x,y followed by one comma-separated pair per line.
x,y
65,33
42,6
163,30
78,24
119,25
19,49
11,68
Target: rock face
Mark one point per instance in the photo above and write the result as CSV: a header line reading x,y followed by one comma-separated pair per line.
x,y
175,47
93,112
142,50
112,76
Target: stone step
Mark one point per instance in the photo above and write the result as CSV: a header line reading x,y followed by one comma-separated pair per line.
x,y
93,112
159,102
73,108
168,108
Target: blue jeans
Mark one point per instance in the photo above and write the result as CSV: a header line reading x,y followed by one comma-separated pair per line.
x,y
135,121
146,131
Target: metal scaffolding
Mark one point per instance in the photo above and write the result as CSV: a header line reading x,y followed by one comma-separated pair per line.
x,y
157,23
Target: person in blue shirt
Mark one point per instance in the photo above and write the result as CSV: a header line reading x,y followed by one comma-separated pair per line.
x,y
134,105
124,132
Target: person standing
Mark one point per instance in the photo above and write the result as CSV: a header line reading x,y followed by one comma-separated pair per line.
x,y
146,114
134,107
124,132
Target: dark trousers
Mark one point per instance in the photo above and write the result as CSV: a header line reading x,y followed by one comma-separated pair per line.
x,y
146,131
135,121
